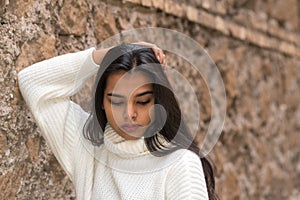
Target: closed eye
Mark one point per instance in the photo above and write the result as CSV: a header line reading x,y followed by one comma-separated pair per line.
x,y
116,103
144,102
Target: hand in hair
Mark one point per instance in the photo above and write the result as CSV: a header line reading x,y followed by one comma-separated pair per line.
x,y
99,54
157,51
161,58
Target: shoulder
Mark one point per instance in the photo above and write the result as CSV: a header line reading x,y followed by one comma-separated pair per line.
x,y
186,179
185,163
184,157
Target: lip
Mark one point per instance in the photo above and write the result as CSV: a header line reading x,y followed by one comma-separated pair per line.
x,y
129,127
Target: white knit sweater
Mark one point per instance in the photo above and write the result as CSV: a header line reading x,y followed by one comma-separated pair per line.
x,y
119,168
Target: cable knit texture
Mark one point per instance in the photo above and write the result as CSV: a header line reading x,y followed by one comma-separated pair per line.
x,y
117,169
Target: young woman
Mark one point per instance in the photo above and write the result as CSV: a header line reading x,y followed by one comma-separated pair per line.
x,y
134,143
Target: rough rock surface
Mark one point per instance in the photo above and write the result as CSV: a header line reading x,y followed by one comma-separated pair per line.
x,y
257,155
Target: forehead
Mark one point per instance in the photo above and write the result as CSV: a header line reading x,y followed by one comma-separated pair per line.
x,y
124,83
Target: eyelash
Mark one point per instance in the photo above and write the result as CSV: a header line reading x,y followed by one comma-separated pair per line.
x,y
116,103
143,103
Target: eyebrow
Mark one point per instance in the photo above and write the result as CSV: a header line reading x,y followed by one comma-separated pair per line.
x,y
137,95
144,93
115,95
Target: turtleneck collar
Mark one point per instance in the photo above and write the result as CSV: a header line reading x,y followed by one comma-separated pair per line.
x,y
122,147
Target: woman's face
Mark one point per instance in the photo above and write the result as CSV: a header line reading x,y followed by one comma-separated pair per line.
x,y
127,101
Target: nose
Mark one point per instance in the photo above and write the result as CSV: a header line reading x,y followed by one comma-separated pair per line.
x,y
130,112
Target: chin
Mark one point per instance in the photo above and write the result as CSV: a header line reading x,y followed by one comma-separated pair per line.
x,y
131,137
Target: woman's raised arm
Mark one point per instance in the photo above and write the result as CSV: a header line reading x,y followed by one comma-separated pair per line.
x,y
46,87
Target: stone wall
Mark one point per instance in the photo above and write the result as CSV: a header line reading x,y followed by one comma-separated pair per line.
x,y
255,45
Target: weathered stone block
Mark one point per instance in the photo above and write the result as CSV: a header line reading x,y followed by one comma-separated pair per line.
x,y
73,17
9,182
36,50
174,8
237,31
192,13
133,1
33,146
158,4
20,8
147,3
104,22
286,10
2,7
221,25
207,19
230,184
3,143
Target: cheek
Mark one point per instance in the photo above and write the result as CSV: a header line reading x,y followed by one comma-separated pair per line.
x,y
148,115
108,110
113,115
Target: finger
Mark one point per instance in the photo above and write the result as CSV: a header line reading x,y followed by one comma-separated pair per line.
x,y
160,55
164,59
158,52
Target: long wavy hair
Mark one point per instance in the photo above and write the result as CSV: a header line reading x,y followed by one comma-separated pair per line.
x,y
168,118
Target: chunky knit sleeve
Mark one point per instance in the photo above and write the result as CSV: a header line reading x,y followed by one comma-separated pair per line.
x,y
186,179
46,87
